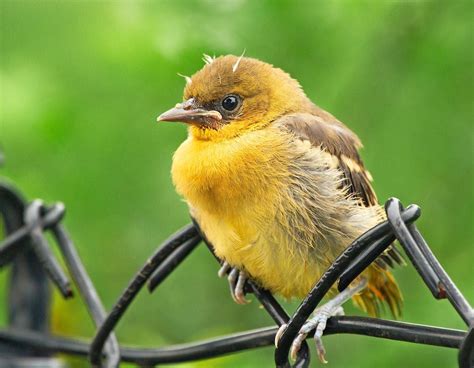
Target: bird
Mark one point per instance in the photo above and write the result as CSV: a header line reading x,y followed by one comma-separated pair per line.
x,y
278,187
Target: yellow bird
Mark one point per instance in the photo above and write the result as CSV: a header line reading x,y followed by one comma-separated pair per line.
x,y
277,185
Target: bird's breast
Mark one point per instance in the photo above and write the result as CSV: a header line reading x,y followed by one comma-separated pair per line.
x,y
269,204
233,187
230,175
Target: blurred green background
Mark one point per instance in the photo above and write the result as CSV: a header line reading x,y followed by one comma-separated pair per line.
x,y
83,81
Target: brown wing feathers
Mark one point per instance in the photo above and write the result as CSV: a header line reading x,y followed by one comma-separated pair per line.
x,y
340,142
331,135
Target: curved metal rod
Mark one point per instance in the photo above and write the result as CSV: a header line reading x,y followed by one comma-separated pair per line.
x,y
328,279
262,337
112,319
169,265
360,263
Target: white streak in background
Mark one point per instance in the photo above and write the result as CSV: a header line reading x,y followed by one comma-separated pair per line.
x,y
188,79
236,65
208,59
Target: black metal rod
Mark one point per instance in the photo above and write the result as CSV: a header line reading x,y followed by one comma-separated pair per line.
x,y
87,291
466,350
328,279
172,262
454,295
43,251
11,245
361,262
392,330
393,208
134,287
268,301
396,330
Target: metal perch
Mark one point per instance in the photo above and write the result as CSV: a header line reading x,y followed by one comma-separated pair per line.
x,y
26,248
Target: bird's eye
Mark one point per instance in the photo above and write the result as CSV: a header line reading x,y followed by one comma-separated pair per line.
x,y
230,102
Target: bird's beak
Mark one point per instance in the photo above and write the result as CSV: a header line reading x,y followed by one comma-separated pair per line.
x,y
188,112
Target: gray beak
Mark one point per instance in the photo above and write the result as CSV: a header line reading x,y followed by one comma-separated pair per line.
x,y
187,112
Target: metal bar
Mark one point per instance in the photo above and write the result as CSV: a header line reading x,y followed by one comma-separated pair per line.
x,y
12,244
453,294
268,301
86,290
134,287
172,262
466,351
365,326
396,330
393,208
43,251
360,263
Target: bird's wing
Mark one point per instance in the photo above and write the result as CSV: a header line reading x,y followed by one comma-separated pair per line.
x,y
326,132
335,138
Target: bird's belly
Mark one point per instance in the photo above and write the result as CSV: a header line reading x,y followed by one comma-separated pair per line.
x,y
268,255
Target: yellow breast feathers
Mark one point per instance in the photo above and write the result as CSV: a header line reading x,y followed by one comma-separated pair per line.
x,y
266,201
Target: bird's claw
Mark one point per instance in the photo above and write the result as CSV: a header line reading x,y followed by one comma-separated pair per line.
x,y
237,280
296,345
318,322
280,333
225,267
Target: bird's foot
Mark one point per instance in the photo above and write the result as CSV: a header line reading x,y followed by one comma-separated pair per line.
x,y
237,280
319,320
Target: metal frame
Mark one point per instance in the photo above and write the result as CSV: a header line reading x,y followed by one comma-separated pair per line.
x,y
26,248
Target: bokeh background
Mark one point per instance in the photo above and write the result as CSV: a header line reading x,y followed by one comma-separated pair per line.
x,y
83,81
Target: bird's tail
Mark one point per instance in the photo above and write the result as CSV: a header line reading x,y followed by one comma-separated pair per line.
x,y
382,288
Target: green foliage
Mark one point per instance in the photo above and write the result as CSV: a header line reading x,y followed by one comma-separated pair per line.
x,y
82,83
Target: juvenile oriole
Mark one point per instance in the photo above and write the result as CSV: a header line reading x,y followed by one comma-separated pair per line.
x,y
277,185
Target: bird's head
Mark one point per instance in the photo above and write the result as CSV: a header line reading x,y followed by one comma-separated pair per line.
x,y
231,95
